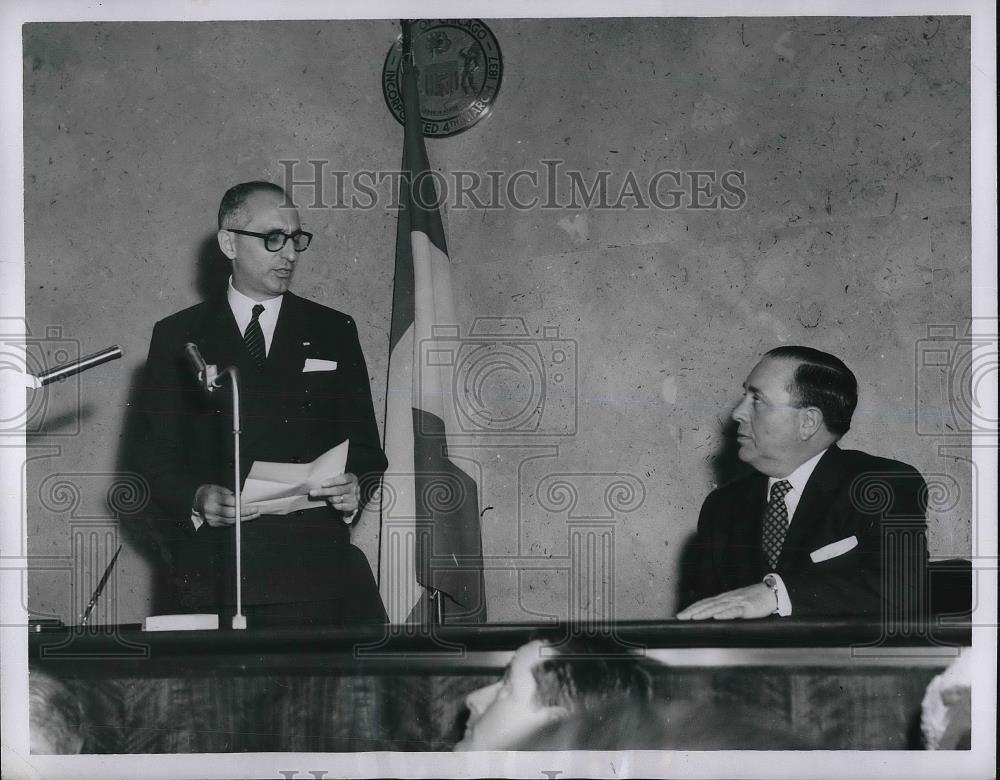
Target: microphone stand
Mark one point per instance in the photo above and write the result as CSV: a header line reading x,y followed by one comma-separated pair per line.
x,y
211,380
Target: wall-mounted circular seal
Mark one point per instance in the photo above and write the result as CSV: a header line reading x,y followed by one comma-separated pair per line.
x,y
460,71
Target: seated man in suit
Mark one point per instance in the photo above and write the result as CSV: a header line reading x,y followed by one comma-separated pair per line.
x,y
817,530
304,389
546,682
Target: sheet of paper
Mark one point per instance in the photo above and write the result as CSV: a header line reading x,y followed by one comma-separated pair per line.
x,y
280,488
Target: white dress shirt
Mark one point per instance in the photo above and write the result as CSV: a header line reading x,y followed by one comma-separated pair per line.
x,y
797,479
243,312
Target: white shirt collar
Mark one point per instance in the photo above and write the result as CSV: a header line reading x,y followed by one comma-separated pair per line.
x,y
800,476
798,480
242,308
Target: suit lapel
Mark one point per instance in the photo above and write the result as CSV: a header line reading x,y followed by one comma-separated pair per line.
x,y
747,532
285,357
219,338
221,343
817,498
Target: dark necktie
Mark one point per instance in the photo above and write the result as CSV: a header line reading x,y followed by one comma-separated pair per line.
x,y
253,337
775,523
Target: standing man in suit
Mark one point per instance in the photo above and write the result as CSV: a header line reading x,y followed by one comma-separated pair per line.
x,y
817,530
304,389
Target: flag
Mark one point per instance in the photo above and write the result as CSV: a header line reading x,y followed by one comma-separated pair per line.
x,y
430,546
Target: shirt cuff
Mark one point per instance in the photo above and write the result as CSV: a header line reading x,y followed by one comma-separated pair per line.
x,y
784,603
196,519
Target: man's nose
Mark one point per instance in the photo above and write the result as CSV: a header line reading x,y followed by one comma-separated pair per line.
x,y
288,251
480,699
739,413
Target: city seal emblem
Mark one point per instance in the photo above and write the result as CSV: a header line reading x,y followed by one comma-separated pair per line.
x,y
460,69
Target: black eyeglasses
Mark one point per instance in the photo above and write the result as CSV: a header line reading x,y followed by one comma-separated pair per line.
x,y
275,240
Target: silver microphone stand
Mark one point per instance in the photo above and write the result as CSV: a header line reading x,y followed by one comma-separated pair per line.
x,y
212,375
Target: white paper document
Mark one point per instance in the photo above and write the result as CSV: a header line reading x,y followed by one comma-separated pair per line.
x,y
280,488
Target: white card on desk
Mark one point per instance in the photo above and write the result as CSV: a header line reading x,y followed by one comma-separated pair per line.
x,y
202,622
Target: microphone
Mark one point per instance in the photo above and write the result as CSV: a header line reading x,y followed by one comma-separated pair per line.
x,y
61,372
205,377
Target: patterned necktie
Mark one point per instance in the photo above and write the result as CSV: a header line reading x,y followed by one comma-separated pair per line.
x,y
775,523
253,337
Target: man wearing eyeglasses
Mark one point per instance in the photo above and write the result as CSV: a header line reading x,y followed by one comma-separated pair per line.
x,y
304,388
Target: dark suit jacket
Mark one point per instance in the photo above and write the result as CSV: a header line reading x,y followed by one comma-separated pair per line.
x,y
287,416
850,493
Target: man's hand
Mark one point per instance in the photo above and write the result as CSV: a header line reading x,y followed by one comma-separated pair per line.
x,y
753,601
342,493
217,506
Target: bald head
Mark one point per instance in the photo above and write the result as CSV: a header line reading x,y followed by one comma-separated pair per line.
x,y
235,210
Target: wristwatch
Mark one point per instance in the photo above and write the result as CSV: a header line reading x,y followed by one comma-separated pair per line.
x,y
772,583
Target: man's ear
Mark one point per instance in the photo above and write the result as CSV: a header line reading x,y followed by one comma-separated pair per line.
x,y
227,244
810,422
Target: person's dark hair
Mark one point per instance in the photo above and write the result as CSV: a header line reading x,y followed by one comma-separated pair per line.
x,y
823,381
233,211
585,672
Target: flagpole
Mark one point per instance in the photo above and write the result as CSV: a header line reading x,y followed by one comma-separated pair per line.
x,y
417,406
407,42
407,61
434,595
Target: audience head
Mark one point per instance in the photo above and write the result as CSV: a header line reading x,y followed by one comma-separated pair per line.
x,y
946,709
56,723
797,401
548,681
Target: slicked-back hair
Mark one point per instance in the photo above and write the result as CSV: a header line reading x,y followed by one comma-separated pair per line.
x,y
233,211
586,673
823,381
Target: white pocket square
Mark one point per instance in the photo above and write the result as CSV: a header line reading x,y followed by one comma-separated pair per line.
x,y
315,364
833,550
